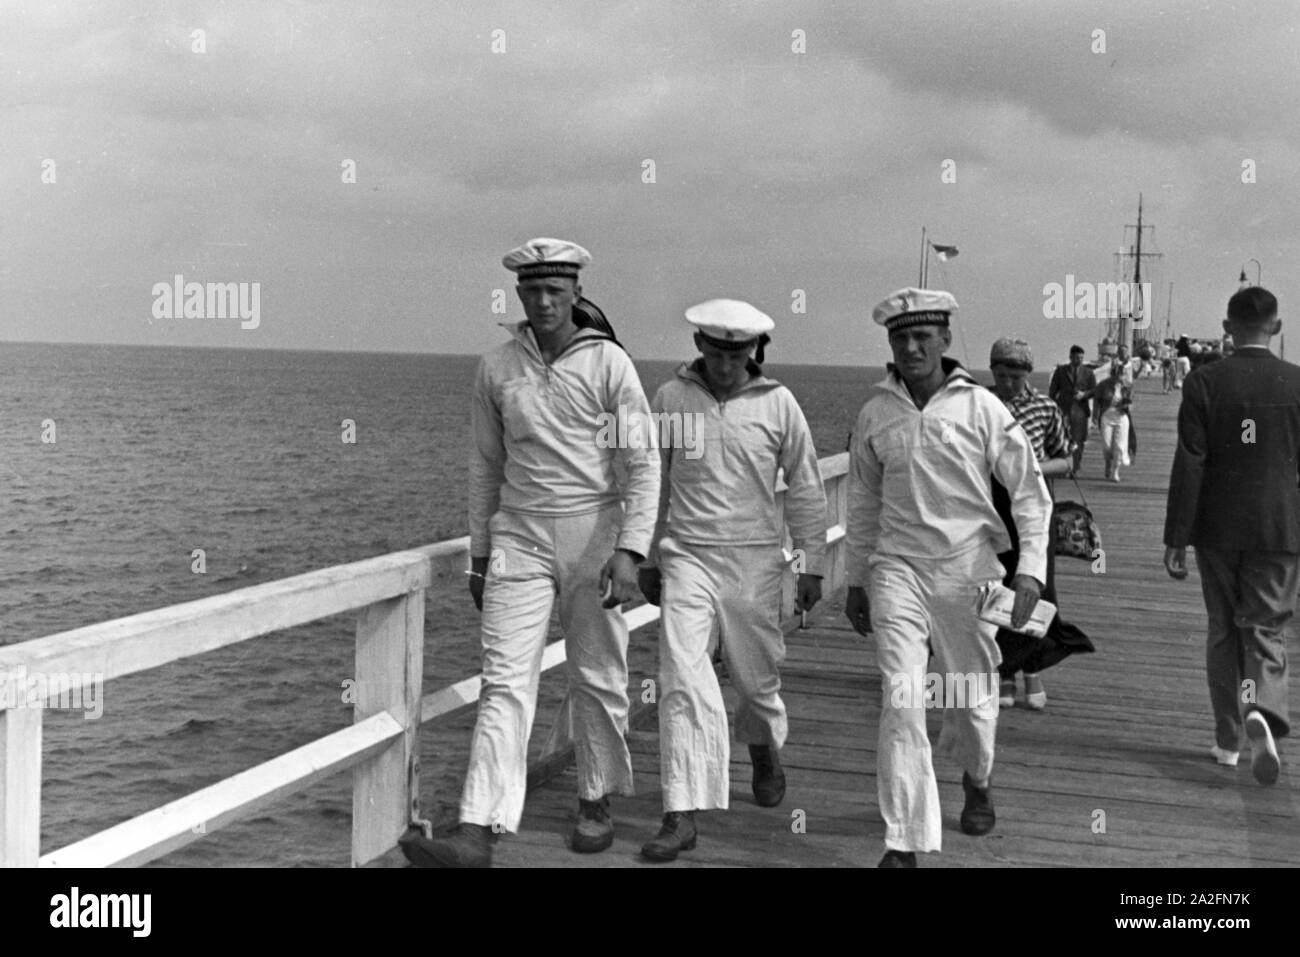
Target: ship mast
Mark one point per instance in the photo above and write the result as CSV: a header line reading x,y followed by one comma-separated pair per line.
x,y
920,281
1121,326
1126,328
1169,308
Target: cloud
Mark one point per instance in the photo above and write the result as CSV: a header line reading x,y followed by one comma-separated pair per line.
x,y
774,170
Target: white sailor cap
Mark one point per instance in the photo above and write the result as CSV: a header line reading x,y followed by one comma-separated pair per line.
x,y
914,307
729,323
546,257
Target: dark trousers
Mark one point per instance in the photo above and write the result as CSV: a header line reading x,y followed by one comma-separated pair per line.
x,y
1249,599
1078,421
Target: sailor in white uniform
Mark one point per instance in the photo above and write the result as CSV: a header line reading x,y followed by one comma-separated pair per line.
x,y
717,562
923,536
554,513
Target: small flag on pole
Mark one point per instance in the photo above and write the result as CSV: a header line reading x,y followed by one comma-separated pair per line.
x,y
944,252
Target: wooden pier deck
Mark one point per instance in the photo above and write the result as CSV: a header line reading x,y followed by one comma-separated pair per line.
x,y
1123,742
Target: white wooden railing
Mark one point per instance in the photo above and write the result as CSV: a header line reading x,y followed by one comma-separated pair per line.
x,y
380,748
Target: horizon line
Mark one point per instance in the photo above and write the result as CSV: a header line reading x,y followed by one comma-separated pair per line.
x,y
368,352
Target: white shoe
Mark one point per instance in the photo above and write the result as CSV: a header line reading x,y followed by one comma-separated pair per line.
x,y
1225,757
1007,694
1035,693
1264,763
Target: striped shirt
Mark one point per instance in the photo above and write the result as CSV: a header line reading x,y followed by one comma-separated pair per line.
x,y
1042,420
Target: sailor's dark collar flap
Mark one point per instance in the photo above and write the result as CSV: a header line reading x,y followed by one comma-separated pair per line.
x,y
523,333
694,372
953,371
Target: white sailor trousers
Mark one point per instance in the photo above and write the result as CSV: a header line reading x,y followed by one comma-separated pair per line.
x,y
919,606
534,558
1114,437
733,592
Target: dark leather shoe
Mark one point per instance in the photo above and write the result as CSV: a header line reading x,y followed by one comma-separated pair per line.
x,y
898,859
677,834
595,828
769,779
977,816
469,845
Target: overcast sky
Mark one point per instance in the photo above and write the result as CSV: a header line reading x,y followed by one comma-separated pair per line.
x,y
774,170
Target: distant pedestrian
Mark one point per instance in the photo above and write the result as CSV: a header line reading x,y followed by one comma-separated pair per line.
x,y
1146,361
1182,361
1167,371
1011,361
1070,388
1111,413
1121,367
1233,496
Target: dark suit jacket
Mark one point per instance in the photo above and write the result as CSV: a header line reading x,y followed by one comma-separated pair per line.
x,y
1065,382
1227,491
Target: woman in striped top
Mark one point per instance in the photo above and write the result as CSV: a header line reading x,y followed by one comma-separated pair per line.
x,y
1011,361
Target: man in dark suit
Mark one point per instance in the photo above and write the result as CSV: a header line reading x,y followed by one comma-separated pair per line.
x,y
1234,496
1070,388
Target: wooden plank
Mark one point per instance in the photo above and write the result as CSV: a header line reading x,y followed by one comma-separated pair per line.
x,y
448,559
184,821
1132,835
389,671
20,786
745,834
139,642
857,784
837,508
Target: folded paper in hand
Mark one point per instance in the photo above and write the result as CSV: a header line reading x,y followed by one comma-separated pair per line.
x,y
994,605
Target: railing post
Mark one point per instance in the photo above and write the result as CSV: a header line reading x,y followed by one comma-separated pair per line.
x,y
20,786
786,596
837,503
389,674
